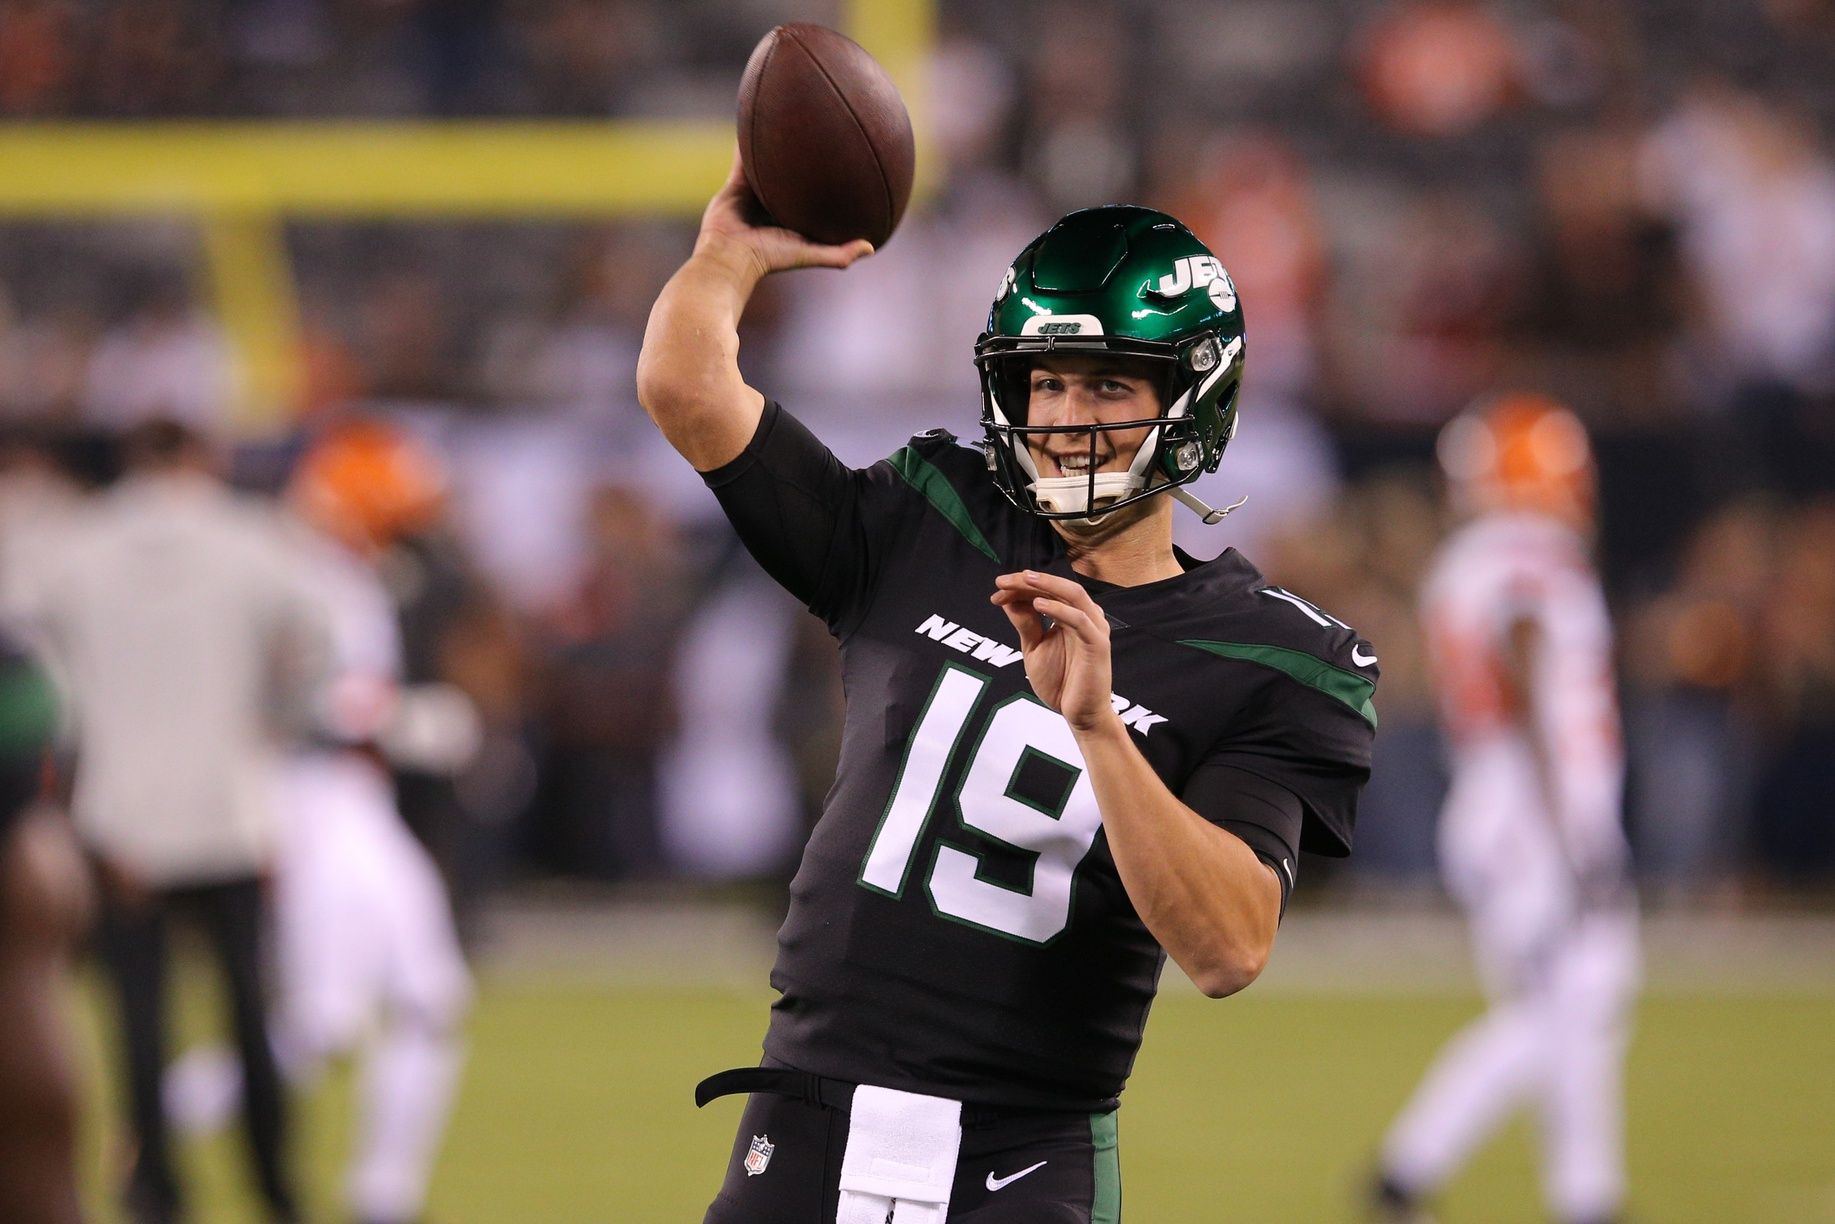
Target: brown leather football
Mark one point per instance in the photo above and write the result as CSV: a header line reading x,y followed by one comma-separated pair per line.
x,y
824,136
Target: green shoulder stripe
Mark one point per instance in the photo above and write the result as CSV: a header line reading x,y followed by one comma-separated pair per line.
x,y
1352,689
924,476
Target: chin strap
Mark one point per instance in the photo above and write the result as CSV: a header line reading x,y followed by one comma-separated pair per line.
x,y
1198,507
1082,493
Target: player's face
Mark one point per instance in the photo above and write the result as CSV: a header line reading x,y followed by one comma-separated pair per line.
x,y
1082,389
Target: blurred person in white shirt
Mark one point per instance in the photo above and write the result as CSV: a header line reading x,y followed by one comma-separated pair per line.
x,y
1531,837
1749,186
369,961
180,624
1751,192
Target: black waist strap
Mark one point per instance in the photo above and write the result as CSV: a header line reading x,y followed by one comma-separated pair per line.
x,y
804,1085
819,1090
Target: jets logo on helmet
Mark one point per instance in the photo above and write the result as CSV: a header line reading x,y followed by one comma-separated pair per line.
x,y
1134,283
1200,272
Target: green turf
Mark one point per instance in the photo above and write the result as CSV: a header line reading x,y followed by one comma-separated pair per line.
x,y
1263,1108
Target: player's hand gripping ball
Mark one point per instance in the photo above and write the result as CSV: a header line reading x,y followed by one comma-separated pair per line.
x,y
824,137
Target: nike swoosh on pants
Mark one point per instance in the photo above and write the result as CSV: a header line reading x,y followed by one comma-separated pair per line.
x,y
1000,1183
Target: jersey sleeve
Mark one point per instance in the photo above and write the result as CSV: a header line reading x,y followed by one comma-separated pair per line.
x,y
810,521
1311,744
1266,816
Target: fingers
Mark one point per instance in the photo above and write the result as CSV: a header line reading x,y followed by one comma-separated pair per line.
x,y
1068,597
785,250
736,209
815,255
1058,588
1086,627
1025,619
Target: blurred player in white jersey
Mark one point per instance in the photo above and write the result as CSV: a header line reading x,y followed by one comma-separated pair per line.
x,y
1531,841
369,962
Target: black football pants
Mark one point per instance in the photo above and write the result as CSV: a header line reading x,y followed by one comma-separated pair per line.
x,y
1017,1168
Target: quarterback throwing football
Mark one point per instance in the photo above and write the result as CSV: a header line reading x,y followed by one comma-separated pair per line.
x,y
1070,750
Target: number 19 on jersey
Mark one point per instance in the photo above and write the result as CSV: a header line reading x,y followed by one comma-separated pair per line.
x,y
1024,785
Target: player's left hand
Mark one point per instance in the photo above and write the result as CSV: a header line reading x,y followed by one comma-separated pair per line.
x,y
1067,661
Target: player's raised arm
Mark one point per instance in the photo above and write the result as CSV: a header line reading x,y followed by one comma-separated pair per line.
x,y
688,376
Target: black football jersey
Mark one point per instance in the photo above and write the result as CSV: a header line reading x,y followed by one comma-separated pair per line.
x,y
957,925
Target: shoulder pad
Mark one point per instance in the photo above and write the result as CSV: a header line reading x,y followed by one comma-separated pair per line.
x,y
934,442
965,462
953,478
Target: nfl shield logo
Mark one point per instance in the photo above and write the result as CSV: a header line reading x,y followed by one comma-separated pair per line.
x,y
759,1156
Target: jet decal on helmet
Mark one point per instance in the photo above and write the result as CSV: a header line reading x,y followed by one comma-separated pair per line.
x,y
1199,272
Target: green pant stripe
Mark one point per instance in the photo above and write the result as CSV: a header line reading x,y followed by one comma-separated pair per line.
x,y
1105,1204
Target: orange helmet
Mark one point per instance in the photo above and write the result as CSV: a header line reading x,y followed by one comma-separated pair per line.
x,y
369,484
1520,451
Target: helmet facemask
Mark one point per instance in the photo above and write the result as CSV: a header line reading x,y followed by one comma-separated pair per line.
x,y
1172,453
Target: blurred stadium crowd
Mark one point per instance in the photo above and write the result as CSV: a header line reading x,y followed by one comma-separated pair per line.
x,y
1629,205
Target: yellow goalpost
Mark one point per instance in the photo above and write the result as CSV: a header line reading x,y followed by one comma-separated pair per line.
x,y
242,181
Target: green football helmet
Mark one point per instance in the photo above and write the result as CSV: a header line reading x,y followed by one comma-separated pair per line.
x,y
1120,280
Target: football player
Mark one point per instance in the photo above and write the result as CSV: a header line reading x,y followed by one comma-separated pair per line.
x,y
1069,749
1531,841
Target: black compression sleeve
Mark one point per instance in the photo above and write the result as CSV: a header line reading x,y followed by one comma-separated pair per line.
x,y
796,509
1266,816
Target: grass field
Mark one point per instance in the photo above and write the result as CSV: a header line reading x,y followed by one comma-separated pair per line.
x,y
1265,1108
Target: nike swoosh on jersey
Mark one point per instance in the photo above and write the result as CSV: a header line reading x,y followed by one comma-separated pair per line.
x,y
1360,658
1001,1183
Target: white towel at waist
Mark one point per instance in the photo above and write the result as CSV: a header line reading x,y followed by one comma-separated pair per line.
x,y
900,1157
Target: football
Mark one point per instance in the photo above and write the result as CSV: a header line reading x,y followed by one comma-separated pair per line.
x,y
824,136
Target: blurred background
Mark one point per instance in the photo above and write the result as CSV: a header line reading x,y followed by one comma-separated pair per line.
x,y
263,217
